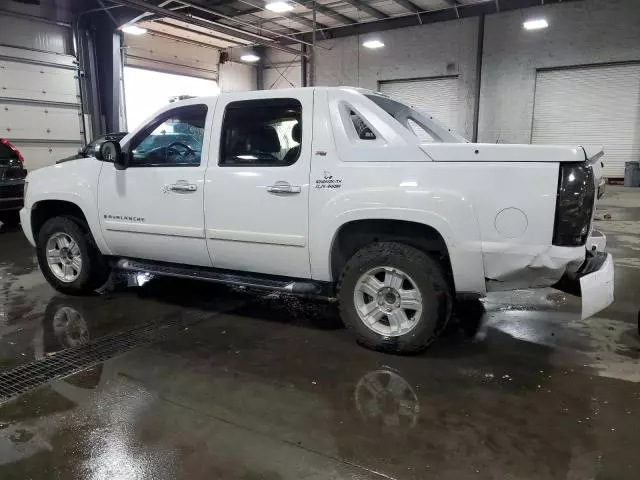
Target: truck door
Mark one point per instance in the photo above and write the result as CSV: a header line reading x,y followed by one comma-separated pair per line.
x,y
257,184
154,208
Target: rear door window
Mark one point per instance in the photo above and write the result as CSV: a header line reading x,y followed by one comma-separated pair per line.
x,y
264,133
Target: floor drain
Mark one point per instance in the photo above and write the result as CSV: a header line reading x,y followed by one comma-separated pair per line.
x,y
32,375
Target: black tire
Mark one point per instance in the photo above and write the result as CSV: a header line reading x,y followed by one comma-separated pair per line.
x,y
94,271
469,314
430,279
10,218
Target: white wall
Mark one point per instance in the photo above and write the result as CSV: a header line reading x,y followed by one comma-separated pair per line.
x,y
282,69
237,77
433,50
579,33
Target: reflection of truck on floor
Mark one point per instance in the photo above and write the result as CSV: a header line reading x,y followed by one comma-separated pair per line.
x,y
333,191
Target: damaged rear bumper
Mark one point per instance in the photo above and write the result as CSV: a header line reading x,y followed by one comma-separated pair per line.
x,y
593,282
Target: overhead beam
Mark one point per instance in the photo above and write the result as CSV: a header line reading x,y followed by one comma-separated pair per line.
x,y
256,8
197,32
330,12
368,9
276,34
230,17
210,25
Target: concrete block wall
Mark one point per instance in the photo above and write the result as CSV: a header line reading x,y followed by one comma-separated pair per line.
x,y
282,69
447,48
579,33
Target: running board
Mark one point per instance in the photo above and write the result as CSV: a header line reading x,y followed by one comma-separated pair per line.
x,y
220,276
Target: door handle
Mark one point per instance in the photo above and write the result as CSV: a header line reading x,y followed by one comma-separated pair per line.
x,y
182,187
284,187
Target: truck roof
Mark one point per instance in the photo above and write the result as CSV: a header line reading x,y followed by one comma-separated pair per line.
x,y
254,94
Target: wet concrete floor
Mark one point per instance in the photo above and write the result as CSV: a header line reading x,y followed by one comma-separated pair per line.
x,y
272,387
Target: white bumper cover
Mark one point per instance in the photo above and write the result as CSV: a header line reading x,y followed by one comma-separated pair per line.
x,y
596,289
25,221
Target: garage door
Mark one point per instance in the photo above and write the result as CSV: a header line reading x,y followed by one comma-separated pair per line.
x,y
161,54
591,105
39,93
436,96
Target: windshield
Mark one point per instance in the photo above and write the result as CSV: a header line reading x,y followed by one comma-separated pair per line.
x,y
426,128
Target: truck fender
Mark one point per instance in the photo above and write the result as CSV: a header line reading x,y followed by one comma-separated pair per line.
x,y
88,209
455,221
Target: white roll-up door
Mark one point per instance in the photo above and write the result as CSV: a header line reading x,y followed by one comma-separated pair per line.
x,y
40,104
596,105
437,97
166,55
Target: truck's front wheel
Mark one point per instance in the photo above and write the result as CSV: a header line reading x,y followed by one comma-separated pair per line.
x,y
68,257
394,297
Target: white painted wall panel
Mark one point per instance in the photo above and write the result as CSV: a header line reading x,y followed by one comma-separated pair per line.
x,y
291,77
591,105
237,77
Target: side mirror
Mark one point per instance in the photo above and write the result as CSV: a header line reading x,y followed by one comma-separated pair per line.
x,y
112,152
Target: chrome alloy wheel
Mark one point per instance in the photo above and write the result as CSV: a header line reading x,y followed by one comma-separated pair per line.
x,y
388,301
63,257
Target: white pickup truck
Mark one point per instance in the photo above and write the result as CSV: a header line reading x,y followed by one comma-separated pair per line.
x,y
329,191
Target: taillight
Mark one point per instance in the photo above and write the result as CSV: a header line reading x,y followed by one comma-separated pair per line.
x,y
17,153
574,204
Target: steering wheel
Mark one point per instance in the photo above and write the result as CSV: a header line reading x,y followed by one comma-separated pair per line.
x,y
188,149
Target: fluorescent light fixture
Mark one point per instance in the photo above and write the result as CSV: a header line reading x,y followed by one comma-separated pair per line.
x,y
373,44
278,6
250,57
536,24
134,30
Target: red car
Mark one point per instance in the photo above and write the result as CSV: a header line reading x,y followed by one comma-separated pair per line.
x,y
12,175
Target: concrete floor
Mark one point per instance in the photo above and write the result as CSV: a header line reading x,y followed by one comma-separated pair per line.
x,y
239,386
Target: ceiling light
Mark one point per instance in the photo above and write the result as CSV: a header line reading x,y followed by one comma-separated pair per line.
x,y
373,44
279,6
134,30
536,24
250,57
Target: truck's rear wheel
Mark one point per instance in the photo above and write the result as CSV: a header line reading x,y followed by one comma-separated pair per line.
x,y
68,257
394,297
